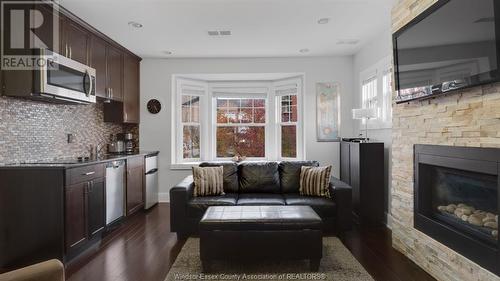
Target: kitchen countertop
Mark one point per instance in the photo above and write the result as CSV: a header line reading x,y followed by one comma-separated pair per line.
x,y
73,163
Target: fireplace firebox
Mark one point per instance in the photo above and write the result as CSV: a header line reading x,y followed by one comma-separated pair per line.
x,y
457,200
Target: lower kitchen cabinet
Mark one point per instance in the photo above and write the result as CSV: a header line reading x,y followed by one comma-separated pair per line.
x,y
58,211
135,184
96,207
85,207
75,209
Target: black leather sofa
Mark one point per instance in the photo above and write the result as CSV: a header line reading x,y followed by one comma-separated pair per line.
x,y
260,183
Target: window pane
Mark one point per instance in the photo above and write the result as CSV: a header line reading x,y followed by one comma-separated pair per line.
x,y
186,100
232,115
221,116
289,141
195,109
369,93
233,102
185,114
259,102
247,141
285,114
221,103
259,115
191,142
246,115
246,102
190,109
289,108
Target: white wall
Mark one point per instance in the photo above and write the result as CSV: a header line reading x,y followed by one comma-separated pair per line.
x,y
370,54
156,76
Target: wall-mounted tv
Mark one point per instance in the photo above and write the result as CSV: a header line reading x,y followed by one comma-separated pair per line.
x,y
452,45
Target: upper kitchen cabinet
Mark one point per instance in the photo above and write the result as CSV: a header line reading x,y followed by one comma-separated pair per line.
x,y
128,110
45,33
98,62
114,60
131,90
75,43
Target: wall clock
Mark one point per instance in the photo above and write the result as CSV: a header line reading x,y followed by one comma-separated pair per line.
x,y
154,106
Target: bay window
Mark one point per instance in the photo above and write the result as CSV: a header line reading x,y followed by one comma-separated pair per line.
x,y
260,120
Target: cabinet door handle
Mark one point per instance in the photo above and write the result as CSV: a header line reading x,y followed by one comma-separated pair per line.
x,y
66,49
87,187
88,173
111,91
69,51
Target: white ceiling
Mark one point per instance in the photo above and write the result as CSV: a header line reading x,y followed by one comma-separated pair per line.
x,y
260,28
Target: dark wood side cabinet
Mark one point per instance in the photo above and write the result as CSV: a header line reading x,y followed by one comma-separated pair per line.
x,y
135,184
362,167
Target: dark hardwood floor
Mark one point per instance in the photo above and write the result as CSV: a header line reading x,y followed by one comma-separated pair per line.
x,y
144,249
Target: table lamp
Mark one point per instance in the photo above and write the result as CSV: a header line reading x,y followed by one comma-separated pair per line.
x,y
365,114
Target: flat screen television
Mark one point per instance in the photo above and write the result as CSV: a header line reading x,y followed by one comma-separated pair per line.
x,y
452,45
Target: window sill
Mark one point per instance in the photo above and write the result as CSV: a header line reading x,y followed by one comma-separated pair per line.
x,y
184,166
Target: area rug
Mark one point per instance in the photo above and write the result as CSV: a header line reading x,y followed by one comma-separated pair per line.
x,y
337,264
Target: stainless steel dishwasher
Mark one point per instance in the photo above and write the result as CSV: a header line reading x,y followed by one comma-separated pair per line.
x,y
115,191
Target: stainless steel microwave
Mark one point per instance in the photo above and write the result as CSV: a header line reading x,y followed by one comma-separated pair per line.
x,y
55,78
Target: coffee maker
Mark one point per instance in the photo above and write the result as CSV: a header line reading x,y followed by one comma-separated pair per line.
x,y
128,139
129,142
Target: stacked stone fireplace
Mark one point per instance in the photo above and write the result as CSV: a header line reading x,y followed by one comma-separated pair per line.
x,y
467,118
456,199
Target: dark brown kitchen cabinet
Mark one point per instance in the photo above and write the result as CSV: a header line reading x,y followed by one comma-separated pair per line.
x,y
114,61
45,32
85,206
98,62
131,89
75,209
96,207
128,110
135,190
75,41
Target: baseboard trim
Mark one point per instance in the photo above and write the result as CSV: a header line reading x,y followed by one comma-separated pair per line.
x,y
164,197
389,220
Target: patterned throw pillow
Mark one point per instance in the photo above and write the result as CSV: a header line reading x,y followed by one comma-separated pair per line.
x,y
314,181
208,181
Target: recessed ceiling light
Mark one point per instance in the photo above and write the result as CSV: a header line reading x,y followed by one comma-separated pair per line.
x,y
305,50
134,24
167,52
323,20
347,42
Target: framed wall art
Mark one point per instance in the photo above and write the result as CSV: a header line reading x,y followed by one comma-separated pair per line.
x,y
327,111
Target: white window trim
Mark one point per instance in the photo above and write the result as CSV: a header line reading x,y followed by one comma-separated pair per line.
x,y
208,116
377,70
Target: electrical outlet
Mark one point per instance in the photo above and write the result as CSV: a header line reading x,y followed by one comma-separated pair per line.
x,y
71,138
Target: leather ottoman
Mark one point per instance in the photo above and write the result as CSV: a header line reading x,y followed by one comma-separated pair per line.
x,y
260,232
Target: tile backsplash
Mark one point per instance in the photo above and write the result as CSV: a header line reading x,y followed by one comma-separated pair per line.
x,y
32,130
